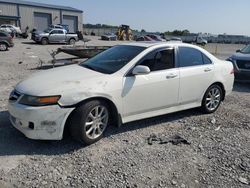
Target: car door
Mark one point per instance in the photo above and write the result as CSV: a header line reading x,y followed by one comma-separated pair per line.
x,y
154,91
53,36
196,74
61,37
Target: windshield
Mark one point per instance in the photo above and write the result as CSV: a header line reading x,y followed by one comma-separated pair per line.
x,y
47,30
113,59
245,50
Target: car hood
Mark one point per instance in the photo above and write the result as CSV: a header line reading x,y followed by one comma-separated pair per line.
x,y
241,56
59,81
39,32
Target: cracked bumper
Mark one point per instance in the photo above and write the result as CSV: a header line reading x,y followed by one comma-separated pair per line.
x,y
40,123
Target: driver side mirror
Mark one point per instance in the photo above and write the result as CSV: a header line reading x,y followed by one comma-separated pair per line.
x,y
238,50
141,70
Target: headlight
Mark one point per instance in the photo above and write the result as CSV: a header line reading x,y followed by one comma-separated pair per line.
x,y
39,101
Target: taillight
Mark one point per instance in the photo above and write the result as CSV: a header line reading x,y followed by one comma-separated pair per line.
x,y
232,71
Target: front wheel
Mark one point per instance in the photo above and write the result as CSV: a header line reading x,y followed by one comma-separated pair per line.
x,y
212,99
44,41
89,121
3,47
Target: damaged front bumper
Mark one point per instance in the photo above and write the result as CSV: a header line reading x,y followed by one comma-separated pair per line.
x,y
41,123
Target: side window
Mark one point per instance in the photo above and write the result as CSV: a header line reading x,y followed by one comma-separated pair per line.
x,y
189,57
54,32
206,60
159,60
148,60
164,60
60,32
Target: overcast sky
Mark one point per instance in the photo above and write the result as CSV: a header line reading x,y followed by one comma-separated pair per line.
x,y
212,16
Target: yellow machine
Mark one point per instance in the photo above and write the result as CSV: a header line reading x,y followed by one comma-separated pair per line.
x,y
124,33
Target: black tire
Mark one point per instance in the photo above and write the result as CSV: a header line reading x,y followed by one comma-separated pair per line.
x,y
44,41
72,41
3,46
81,117
209,106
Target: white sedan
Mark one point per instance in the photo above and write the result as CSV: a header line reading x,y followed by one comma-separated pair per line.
x,y
122,84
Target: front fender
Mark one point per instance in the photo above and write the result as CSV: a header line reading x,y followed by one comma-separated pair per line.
x,y
76,98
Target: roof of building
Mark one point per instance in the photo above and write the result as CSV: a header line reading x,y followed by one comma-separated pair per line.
x,y
34,4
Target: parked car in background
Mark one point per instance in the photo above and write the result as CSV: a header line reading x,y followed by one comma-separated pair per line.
x,y
60,26
109,36
156,37
200,40
6,41
121,84
175,39
54,36
5,29
12,28
144,38
241,62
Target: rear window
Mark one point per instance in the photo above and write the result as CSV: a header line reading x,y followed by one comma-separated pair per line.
x,y
192,57
60,32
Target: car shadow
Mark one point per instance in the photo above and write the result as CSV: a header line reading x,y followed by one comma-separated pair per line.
x,y
30,43
144,123
241,87
13,142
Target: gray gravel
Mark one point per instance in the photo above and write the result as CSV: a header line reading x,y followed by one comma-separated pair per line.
x,y
219,154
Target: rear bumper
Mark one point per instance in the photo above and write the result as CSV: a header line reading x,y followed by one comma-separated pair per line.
x,y
41,123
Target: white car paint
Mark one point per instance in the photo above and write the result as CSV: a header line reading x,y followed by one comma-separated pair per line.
x,y
9,28
135,97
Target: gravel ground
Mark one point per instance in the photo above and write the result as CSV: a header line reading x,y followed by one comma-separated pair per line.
x,y
218,156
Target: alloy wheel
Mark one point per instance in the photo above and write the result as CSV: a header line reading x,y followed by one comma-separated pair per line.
x,y
3,47
213,99
96,122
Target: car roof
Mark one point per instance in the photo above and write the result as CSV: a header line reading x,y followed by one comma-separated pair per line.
x,y
148,44
159,44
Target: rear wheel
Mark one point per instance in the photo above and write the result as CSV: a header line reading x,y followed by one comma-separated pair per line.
x,y
212,99
72,41
44,41
89,121
3,47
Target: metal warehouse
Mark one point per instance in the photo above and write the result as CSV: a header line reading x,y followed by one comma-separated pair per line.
x,y
38,15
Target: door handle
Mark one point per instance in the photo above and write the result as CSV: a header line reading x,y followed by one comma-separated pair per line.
x,y
207,69
171,76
